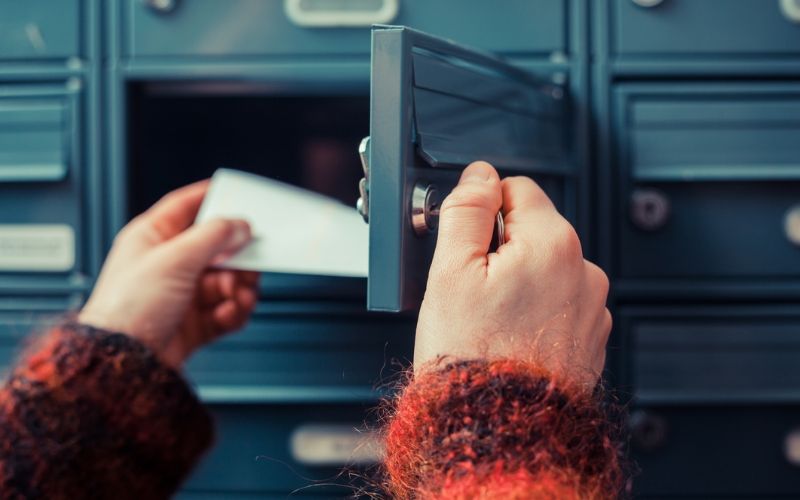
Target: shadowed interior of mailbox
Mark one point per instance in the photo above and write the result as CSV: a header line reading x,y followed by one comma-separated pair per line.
x,y
183,133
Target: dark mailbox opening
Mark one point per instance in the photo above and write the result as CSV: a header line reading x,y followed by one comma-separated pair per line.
x,y
180,132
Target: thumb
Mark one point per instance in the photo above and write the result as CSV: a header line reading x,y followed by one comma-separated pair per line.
x,y
467,216
198,247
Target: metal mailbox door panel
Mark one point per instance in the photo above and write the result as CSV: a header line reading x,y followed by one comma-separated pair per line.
x,y
40,29
710,177
437,106
42,217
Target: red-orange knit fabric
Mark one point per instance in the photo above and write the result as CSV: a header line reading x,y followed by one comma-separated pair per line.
x,y
499,430
92,414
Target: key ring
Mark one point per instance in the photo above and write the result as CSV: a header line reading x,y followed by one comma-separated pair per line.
x,y
500,230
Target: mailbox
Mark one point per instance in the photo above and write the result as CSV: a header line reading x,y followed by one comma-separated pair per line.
x,y
437,106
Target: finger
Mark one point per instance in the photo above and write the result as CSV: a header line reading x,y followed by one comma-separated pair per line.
x,y
227,284
597,283
216,286
194,249
249,278
210,291
521,193
468,214
228,317
176,210
246,298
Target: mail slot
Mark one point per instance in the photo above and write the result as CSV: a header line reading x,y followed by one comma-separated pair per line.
x,y
710,181
713,355
43,224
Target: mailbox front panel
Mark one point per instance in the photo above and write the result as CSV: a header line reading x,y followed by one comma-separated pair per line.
x,y
435,108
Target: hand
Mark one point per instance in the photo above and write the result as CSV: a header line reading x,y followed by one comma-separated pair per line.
x,y
156,285
536,299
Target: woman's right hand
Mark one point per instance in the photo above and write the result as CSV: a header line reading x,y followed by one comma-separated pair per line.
x,y
536,299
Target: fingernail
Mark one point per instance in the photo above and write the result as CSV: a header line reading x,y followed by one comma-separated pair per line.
x,y
474,174
241,233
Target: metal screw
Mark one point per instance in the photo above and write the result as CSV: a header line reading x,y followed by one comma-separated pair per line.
x,y
648,431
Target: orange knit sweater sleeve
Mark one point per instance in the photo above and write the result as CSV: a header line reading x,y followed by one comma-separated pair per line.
x,y
93,414
500,430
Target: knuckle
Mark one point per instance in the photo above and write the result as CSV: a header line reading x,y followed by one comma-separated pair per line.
x,y
608,322
566,241
469,196
127,232
599,278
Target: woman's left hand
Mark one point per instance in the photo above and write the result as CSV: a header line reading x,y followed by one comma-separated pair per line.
x,y
156,285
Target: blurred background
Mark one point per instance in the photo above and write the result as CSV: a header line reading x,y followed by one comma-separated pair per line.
x,y
682,176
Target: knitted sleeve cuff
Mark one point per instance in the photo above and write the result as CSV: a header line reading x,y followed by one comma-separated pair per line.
x,y
500,429
89,410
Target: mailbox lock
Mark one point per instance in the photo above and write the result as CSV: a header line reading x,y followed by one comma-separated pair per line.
x,y
161,6
362,204
791,224
649,209
648,430
425,204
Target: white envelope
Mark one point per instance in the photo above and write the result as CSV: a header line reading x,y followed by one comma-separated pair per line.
x,y
294,230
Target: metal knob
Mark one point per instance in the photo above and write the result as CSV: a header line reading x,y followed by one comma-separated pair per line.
x,y
425,204
647,3
648,431
161,6
791,10
791,224
649,209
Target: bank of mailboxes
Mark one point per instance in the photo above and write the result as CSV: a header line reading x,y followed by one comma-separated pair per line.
x,y
698,204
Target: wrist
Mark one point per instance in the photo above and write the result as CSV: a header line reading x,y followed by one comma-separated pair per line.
x,y
102,318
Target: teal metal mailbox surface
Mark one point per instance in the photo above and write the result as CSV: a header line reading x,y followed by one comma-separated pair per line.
x,y
436,107
689,101
725,159
40,29
210,28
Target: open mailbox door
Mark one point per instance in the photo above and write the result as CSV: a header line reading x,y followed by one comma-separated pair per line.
x,y
436,107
